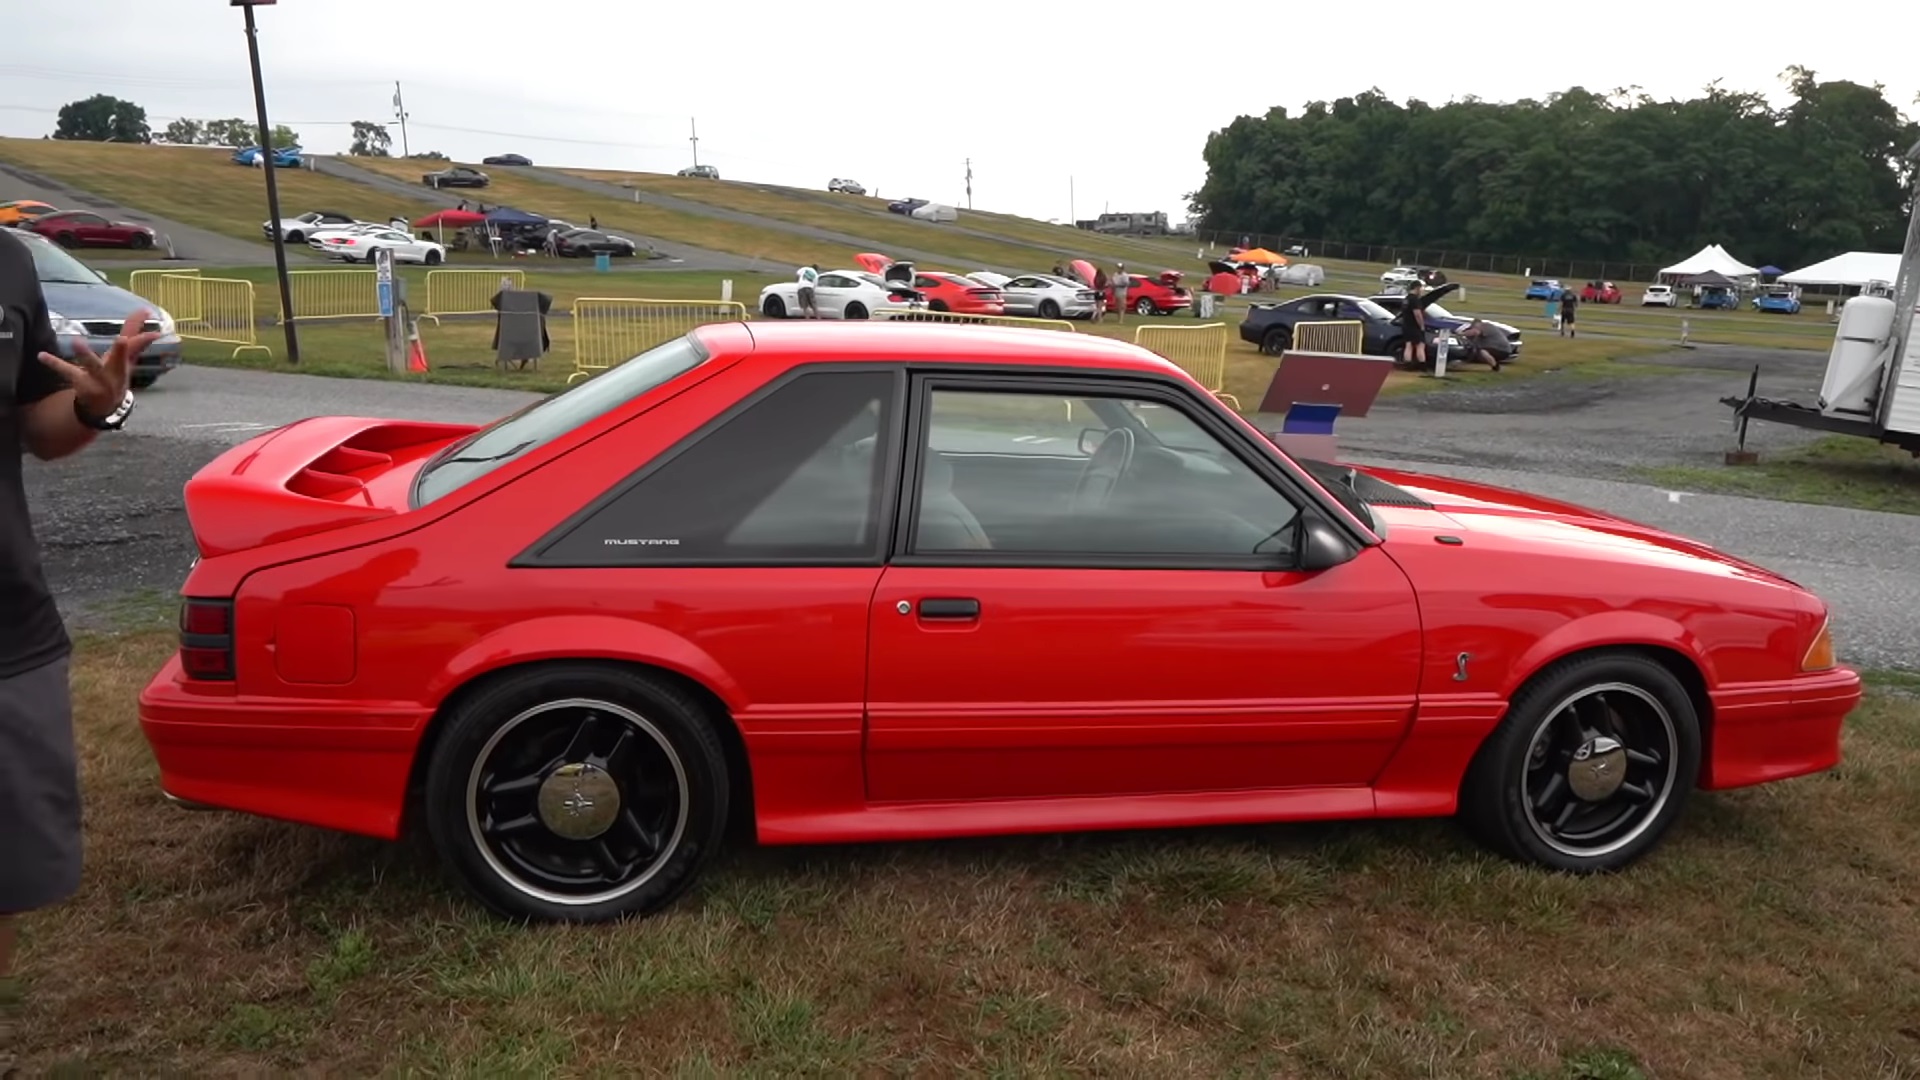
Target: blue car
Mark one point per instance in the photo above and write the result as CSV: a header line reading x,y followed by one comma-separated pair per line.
x,y
286,157
1719,297
1546,289
1779,300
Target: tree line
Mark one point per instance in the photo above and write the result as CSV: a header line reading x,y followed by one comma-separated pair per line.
x,y
104,118
1580,175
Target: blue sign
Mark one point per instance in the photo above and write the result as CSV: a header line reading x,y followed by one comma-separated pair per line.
x,y
386,299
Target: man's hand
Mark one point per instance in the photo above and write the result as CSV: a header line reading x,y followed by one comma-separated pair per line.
x,y
100,385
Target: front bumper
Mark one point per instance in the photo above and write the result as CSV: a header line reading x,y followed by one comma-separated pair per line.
x,y
1762,732
162,356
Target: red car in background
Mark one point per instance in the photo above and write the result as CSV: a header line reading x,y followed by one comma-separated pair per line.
x,y
83,228
1162,295
959,294
1600,292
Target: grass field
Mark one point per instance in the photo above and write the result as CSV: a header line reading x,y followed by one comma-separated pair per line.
x,y
1839,470
1773,936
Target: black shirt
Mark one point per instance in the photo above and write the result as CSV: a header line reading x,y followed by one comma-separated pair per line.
x,y
31,633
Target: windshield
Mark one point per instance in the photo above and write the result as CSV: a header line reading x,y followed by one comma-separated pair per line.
x,y
549,418
56,266
1436,309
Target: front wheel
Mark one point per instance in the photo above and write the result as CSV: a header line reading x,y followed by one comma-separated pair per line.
x,y
773,308
141,241
577,794
1591,766
433,258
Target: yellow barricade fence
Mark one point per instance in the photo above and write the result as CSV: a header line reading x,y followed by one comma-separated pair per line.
x,y
1200,351
467,292
145,284
609,330
212,309
923,315
334,294
1336,336
173,293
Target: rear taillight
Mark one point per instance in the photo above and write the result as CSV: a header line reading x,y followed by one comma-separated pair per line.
x,y
206,639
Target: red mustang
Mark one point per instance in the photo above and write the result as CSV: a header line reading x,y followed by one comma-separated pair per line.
x,y
959,294
1162,295
872,583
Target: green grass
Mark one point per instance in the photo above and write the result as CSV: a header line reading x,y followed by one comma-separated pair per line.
x,y
1772,935
1839,470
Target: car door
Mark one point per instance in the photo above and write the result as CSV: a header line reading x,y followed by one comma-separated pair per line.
x,y
1021,295
830,295
1055,623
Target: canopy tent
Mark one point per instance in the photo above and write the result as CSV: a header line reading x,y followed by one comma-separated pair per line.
x,y
1712,258
1711,277
1769,270
507,215
1854,268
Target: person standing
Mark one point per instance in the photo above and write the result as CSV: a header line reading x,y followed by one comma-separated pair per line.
x,y
51,408
1121,280
593,223
1568,303
1413,328
809,277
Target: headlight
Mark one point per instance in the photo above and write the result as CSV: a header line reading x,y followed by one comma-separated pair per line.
x,y
66,327
165,320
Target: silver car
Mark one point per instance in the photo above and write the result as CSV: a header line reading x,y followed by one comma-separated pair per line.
x,y
1048,297
82,303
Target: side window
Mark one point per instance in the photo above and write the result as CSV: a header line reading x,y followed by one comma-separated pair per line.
x,y
793,477
834,281
1107,478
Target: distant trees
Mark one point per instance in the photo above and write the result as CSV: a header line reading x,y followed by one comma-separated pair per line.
x,y
370,140
102,118
428,155
1580,175
234,132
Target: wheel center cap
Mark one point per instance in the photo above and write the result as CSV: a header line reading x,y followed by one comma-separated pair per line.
x,y
579,801
1598,769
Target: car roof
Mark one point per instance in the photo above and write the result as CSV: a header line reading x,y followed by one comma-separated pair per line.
x,y
881,341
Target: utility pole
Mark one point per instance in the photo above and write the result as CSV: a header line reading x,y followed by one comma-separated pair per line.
x,y
273,189
694,129
400,114
969,183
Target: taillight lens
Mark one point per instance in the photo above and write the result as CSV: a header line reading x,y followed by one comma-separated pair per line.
x,y
206,639
1820,654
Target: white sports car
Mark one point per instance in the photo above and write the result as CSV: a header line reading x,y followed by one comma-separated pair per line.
x,y
1659,296
1049,297
359,246
841,294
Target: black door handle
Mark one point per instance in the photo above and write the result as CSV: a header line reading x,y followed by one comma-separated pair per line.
x,y
950,608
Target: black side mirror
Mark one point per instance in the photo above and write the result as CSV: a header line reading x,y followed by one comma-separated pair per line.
x,y
1321,546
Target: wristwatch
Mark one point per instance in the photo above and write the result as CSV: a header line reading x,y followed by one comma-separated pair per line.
x,y
113,421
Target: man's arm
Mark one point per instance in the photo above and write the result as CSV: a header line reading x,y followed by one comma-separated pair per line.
x,y
48,429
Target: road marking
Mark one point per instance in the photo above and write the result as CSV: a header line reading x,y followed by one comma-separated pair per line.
x,y
226,425
1674,496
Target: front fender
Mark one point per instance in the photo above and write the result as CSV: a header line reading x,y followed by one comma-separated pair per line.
x,y
586,637
1604,629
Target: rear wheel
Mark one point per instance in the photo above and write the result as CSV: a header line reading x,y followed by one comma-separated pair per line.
x,y
1276,341
1145,307
855,310
936,305
577,793
773,308
1049,309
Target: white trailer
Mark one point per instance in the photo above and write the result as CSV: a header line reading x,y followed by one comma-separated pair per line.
x,y
1872,383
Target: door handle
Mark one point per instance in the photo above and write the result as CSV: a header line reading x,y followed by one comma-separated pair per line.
x,y
950,608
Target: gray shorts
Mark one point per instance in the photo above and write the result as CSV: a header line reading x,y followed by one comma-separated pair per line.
x,y
39,790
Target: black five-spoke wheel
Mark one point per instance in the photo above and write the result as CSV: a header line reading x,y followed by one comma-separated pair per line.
x,y
577,793
1594,761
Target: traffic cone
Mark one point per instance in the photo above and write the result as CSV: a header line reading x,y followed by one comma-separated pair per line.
x,y
416,351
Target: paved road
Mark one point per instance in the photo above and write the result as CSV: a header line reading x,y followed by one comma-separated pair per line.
x,y
190,244
678,256
111,521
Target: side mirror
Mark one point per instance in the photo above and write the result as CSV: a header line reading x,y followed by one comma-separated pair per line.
x,y
1091,438
1321,546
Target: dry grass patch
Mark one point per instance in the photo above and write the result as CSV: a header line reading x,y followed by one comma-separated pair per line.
x,y
1775,935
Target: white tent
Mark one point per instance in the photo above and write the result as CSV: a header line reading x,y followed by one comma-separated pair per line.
x,y
1712,258
1852,268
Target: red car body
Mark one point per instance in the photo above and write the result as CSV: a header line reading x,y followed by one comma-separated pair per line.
x,y
1600,292
84,228
336,639
959,294
1162,295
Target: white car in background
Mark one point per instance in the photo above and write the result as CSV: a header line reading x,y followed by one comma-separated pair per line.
x,y
841,294
1047,297
1659,296
297,230
357,246
1402,276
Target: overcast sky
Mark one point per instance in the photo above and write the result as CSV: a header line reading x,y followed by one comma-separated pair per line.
x,y
1064,108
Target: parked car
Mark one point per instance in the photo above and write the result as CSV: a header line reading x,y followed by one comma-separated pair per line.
x,y
1270,326
1600,292
360,246
572,243
905,206
1716,298
1439,318
506,159
83,305
1159,295
84,228
21,211
1045,296
1545,289
456,176
958,293
1404,276
1659,296
841,294
297,229
1778,299
1295,251
808,578
284,157
703,172
845,187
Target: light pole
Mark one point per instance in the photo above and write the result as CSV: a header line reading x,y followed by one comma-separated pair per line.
x,y
273,189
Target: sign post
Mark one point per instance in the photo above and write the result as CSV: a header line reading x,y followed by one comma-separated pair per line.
x,y
392,313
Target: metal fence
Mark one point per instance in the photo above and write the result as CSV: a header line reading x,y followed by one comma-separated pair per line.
x,y
1331,336
467,292
211,309
609,330
1200,351
334,294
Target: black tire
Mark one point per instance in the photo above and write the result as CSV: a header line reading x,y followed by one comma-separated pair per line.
x,y
140,242
664,780
1276,341
433,258
143,379
773,308
936,305
1049,309
855,310
293,237
66,239
1609,718
1144,306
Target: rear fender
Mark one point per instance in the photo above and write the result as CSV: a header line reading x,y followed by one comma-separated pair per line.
x,y
586,637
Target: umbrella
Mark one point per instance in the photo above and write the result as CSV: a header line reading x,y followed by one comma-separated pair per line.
x,y
457,219
1261,256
